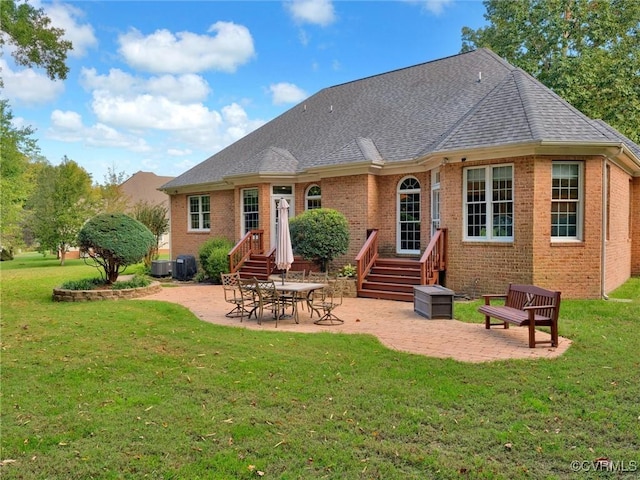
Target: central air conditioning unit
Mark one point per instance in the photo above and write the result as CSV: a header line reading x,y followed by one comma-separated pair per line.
x,y
160,268
184,268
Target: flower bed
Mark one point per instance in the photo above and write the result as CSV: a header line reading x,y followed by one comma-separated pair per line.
x,y
64,295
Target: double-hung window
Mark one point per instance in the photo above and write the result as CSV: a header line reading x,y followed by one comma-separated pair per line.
x,y
566,201
250,210
488,203
199,212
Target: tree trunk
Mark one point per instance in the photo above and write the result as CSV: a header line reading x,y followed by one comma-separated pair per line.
x,y
112,273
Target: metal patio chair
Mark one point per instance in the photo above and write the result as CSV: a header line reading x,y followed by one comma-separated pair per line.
x,y
332,297
232,294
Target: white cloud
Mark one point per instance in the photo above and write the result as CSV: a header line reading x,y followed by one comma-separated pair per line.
x,y
186,52
162,116
27,86
286,93
65,16
319,12
68,127
435,7
67,121
116,81
176,152
149,111
182,88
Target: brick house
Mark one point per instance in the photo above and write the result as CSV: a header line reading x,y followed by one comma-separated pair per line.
x,y
528,188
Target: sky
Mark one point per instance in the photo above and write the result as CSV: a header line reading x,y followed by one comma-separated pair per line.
x,y
160,86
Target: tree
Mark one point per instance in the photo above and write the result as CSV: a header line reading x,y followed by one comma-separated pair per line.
x,y
320,234
36,42
112,198
587,52
63,200
16,149
114,241
154,217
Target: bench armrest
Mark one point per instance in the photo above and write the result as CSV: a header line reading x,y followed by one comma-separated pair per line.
x,y
488,298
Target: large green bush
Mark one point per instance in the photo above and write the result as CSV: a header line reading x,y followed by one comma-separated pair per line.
x,y
113,241
320,235
213,256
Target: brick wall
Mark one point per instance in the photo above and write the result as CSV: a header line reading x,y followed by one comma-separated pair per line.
x,y
635,226
571,267
475,268
184,242
369,201
349,195
618,245
384,204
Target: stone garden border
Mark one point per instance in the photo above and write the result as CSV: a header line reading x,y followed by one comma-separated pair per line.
x,y
64,295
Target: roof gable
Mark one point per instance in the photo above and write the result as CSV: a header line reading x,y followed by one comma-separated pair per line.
x,y
144,187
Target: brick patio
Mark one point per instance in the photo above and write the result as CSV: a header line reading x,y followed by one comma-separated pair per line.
x,y
395,324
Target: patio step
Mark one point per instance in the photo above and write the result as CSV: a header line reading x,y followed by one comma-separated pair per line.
x,y
392,279
382,295
256,266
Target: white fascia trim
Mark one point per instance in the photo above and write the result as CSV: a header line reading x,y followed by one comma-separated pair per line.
x,y
197,188
613,150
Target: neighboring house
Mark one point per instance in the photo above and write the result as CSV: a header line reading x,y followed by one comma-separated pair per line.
x,y
529,189
144,187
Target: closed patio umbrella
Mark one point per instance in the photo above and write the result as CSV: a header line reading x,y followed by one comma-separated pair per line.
x,y
284,252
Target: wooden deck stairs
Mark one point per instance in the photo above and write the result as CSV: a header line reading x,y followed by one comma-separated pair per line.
x,y
392,279
258,266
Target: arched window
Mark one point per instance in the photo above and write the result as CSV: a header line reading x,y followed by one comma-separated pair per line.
x,y
408,214
313,197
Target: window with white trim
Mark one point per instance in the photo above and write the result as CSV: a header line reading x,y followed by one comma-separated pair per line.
x,y
199,212
313,197
488,203
435,201
567,201
250,211
409,216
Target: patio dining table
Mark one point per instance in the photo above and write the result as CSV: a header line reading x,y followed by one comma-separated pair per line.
x,y
298,289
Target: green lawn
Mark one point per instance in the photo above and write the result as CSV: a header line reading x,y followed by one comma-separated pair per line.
x,y
141,389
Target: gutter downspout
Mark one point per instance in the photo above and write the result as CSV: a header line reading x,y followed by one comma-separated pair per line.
x,y
603,232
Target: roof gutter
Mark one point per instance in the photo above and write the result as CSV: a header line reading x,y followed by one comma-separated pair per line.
x,y
616,151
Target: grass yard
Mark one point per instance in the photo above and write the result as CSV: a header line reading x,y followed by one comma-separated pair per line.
x,y
142,389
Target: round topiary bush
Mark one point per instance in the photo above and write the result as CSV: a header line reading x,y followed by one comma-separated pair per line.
x,y
213,256
114,241
320,235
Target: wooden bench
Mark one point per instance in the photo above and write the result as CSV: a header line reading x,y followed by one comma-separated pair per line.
x,y
525,305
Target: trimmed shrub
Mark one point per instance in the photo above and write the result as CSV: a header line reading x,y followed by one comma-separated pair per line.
x,y
114,241
83,284
213,256
320,235
137,281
